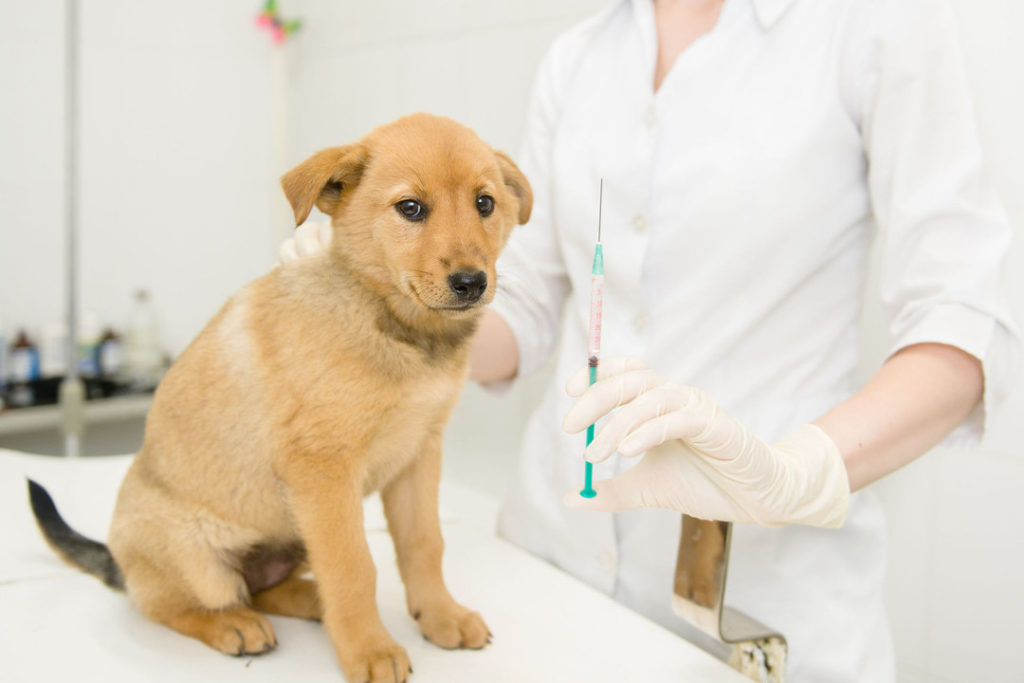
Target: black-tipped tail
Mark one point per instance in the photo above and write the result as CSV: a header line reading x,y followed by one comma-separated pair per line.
x,y
86,554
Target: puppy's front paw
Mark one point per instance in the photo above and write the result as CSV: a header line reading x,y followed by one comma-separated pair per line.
x,y
379,661
453,626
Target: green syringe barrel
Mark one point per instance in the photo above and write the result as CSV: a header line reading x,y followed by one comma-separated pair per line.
x,y
588,473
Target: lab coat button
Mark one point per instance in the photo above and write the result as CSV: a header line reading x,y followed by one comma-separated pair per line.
x,y
640,224
640,323
607,561
651,119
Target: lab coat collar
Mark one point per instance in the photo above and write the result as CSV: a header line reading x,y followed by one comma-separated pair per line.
x,y
768,11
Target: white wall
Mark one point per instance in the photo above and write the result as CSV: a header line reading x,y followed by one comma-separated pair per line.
x,y
174,158
31,262
358,66
179,172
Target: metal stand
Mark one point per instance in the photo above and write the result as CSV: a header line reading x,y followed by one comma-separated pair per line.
x,y
698,596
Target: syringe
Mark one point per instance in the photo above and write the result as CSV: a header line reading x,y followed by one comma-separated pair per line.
x,y
594,340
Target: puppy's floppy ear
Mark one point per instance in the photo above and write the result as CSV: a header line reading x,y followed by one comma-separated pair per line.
x,y
517,182
320,179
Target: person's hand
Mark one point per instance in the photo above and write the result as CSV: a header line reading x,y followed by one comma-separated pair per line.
x,y
699,460
309,238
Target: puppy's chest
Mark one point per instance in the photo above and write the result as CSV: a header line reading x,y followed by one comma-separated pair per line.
x,y
403,430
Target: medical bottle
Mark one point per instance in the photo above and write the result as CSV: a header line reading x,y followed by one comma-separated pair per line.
x,y
87,345
51,347
143,360
110,357
24,358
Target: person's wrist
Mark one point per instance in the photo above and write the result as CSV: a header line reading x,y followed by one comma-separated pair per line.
x,y
822,486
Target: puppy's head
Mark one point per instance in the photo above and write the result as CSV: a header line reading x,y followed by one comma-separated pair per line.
x,y
420,207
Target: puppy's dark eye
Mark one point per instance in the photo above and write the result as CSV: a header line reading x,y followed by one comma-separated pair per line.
x,y
411,210
485,205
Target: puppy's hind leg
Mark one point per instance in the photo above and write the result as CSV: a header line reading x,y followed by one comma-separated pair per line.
x,y
293,597
236,630
206,602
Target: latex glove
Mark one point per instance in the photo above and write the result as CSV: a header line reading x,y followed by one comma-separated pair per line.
x,y
699,460
309,238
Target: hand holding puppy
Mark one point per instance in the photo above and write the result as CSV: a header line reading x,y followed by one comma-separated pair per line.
x,y
697,459
309,238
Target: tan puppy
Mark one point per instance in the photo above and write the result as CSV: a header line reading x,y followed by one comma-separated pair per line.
x,y
321,382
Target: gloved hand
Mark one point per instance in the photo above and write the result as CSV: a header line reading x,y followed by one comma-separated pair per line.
x,y
699,460
309,238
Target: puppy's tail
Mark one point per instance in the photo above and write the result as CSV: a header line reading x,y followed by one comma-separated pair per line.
x,y
74,548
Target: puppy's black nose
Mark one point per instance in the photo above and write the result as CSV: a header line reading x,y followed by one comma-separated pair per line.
x,y
469,287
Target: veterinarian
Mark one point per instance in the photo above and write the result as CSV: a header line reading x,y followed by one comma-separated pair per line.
x,y
753,152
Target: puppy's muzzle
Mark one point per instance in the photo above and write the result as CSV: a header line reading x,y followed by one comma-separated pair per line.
x,y
468,287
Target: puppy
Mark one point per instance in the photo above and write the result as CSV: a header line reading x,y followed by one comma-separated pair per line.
x,y
323,381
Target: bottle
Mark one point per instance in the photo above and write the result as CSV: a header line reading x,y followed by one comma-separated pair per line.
x,y
109,354
87,345
24,358
143,360
52,349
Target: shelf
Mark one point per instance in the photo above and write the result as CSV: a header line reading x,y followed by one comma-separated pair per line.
x,y
20,420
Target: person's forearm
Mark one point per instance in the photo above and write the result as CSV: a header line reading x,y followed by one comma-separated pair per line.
x,y
494,355
917,397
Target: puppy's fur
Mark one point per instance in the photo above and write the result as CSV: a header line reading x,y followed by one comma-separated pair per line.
x,y
325,380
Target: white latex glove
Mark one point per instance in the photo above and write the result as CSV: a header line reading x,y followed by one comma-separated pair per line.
x,y
309,238
700,461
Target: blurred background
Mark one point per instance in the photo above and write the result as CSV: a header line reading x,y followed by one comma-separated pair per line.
x,y
189,112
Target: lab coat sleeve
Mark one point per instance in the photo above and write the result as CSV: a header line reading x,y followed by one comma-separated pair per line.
x,y
532,281
943,233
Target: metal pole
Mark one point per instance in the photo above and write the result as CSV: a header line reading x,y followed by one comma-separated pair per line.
x,y
72,390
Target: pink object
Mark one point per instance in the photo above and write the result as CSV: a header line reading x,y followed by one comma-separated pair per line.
x,y
279,30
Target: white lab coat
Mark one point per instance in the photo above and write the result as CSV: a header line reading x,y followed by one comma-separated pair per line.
x,y
740,205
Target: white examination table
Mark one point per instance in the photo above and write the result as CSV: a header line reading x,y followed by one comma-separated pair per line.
x,y
57,624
